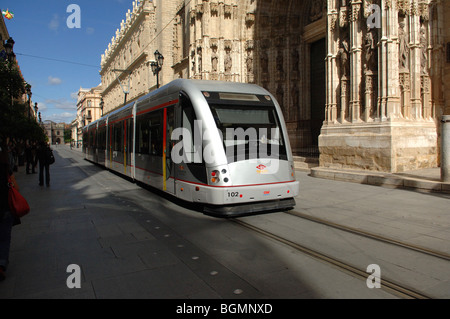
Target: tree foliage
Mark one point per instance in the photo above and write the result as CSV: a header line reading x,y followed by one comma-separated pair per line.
x,y
14,121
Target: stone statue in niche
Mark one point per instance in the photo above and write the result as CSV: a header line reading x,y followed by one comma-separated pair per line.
x,y
295,60
228,62
214,60
200,64
403,46
343,56
280,67
280,95
370,51
294,95
250,62
423,50
264,61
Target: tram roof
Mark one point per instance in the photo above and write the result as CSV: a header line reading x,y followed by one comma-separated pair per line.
x,y
204,85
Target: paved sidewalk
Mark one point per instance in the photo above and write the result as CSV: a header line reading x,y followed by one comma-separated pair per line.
x,y
422,180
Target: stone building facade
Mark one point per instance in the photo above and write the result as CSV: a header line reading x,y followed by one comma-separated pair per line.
x,y
365,96
385,84
89,109
54,132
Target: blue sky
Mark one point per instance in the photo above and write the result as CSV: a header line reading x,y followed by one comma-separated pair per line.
x,y
43,38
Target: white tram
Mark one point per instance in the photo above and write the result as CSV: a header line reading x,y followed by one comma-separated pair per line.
x,y
221,144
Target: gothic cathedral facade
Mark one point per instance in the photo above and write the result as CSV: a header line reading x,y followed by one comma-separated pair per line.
x,y
361,82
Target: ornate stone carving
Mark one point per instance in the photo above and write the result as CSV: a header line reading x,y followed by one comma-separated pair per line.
x,y
295,59
404,81
280,96
403,46
294,96
333,19
264,58
356,9
250,18
214,7
343,16
316,10
280,65
249,64
228,11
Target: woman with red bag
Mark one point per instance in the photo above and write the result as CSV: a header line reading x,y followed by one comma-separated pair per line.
x,y
7,220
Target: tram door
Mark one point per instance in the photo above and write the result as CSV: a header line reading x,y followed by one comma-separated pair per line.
x,y
128,146
168,165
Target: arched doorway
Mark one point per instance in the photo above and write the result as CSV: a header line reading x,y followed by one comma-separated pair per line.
x,y
290,49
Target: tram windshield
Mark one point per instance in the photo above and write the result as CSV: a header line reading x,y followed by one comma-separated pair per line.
x,y
249,130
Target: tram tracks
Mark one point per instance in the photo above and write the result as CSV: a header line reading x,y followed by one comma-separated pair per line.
x,y
387,284
366,234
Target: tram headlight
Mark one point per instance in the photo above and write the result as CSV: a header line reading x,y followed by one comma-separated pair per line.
x,y
215,176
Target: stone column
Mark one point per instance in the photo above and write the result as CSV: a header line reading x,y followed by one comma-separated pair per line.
x,y
445,150
369,80
355,61
405,94
389,63
332,67
416,101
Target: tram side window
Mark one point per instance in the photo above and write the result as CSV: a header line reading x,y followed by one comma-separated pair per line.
x,y
156,133
149,134
92,139
142,135
102,138
188,123
118,137
85,139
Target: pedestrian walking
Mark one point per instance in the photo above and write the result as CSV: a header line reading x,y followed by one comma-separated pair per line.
x,y
7,220
43,154
29,158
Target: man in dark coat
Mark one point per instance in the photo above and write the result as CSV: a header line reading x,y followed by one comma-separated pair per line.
x,y
42,155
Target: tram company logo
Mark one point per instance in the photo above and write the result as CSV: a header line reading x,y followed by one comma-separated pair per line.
x,y
261,169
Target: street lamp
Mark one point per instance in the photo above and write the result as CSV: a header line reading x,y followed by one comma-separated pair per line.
x,y
102,104
28,90
36,109
9,48
157,66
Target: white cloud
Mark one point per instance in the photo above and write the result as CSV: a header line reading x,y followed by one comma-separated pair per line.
x,y
42,107
54,81
90,31
62,104
74,96
65,117
54,23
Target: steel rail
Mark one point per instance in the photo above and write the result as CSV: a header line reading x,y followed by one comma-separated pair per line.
x,y
363,233
386,284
